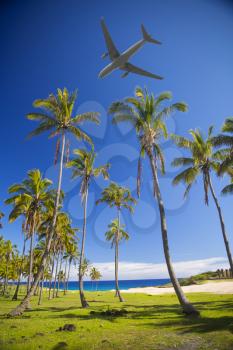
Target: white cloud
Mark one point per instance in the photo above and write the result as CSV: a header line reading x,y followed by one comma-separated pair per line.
x,y
138,270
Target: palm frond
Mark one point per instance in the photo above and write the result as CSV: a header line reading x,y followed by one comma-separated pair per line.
x,y
227,189
187,190
222,154
88,116
228,125
210,131
164,96
222,140
181,141
124,118
44,126
102,170
48,104
182,161
41,117
139,92
81,135
226,165
187,176
167,111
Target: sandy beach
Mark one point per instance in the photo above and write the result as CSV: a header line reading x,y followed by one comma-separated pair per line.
x,y
225,287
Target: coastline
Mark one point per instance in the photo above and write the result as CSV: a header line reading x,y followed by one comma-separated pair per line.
x,y
215,287
220,287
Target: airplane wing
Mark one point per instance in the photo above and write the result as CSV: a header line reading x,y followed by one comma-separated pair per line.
x,y
112,51
133,69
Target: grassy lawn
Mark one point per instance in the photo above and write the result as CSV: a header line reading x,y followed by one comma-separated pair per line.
x,y
151,322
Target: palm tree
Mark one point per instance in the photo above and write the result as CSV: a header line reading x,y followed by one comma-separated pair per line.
x,y
72,256
29,198
118,197
9,250
63,234
115,234
15,296
83,166
147,114
203,161
56,116
95,275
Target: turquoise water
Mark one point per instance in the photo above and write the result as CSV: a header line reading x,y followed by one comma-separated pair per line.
x,y
123,284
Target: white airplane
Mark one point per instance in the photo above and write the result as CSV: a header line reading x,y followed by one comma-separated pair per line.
x,y
120,61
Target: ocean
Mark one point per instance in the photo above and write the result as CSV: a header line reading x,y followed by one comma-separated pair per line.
x,y
110,285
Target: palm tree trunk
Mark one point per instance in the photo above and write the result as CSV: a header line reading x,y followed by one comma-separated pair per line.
x,y
118,293
50,281
31,253
59,277
64,281
6,278
225,238
31,258
41,290
56,273
187,307
84,303
42,283
15,296
68,276
22,306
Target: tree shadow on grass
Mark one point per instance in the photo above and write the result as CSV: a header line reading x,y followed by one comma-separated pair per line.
x,y
54,309
172,316
200,325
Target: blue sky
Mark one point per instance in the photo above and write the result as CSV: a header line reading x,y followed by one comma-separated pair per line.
x,y
53,44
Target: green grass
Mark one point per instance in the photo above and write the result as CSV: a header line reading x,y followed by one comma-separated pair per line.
x,y
152,322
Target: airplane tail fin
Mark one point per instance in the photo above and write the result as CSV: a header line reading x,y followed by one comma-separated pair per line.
x,y
147,36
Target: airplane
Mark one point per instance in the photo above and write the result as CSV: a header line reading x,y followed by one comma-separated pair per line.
x,y
120,61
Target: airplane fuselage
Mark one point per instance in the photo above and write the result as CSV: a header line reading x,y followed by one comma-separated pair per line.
x,y
120,61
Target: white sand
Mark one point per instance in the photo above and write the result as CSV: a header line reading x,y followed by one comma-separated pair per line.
x,y
209,287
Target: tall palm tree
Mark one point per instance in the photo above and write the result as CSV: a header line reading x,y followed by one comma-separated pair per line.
x,y
83,166
15,296
147,115
118,197
56,117
29,198
203,161
115,234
